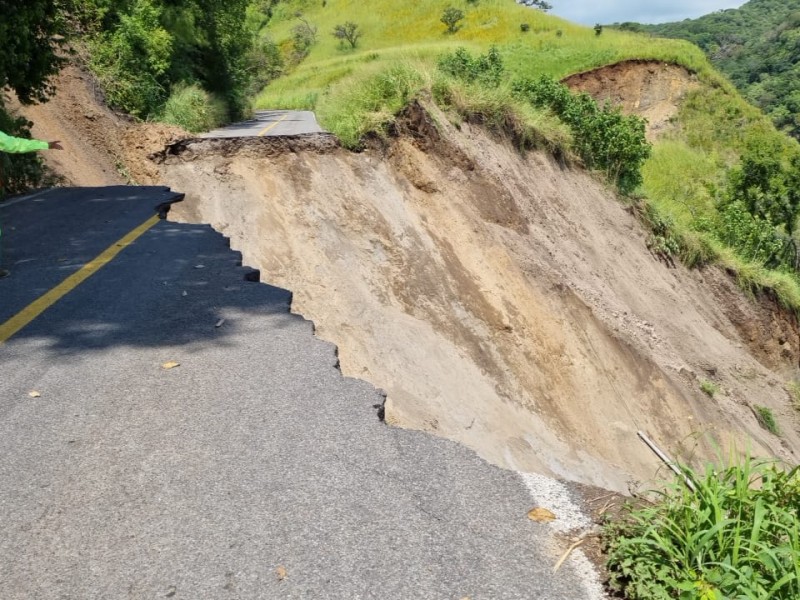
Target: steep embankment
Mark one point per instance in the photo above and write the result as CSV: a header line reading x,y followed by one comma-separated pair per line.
x,y
500,300
505,301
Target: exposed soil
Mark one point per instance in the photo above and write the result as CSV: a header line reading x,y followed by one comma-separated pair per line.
x,y
501,300
100,147
650,89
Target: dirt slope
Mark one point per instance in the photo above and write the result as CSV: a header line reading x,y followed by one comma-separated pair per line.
x,y
100,147
500,300
650,89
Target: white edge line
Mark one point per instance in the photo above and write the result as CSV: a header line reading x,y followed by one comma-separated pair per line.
x,y
25,197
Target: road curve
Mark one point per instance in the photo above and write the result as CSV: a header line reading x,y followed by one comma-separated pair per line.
x,y
251,470
270,123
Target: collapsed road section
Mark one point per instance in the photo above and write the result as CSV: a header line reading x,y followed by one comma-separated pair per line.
x,y
169,429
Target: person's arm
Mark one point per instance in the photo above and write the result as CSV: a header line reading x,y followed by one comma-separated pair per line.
x,y
15,145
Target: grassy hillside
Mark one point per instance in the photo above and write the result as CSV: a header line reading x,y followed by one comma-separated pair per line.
x,y
689,195
395,32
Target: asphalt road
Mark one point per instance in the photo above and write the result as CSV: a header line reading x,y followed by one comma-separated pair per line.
x,y
252,470
270,123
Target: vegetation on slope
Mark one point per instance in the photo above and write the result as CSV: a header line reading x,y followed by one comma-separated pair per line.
x,y
735,535
756,46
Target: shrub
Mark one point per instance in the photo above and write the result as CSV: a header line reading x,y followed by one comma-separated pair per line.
x,y
194,109
265,63
487,69
524,27
709,388
766,419
604,137
452,16
347,32
132,61
752,237
737,536
304,36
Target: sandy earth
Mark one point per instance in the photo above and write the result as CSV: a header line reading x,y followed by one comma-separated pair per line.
x,y
504,301
652,90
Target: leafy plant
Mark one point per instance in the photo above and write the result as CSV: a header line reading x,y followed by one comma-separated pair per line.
x,y
766,419
348,32
709,388
451,17
304,36
604,137
736,536
194,109
487,68
265,64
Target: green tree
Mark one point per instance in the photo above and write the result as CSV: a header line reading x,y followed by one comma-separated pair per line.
x,y
766,182
451,17
348,32
31,36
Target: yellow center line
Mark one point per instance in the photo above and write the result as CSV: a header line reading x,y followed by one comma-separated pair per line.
x,y
41,304
268,127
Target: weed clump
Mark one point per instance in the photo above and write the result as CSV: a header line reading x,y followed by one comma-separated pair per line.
x,y
766,419
709,388
737,536
194,109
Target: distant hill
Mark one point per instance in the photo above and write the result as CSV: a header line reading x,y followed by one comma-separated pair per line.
x,y
757,46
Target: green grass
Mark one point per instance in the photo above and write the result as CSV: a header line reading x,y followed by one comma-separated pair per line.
x,y
352,92
411,31
736,536
194,109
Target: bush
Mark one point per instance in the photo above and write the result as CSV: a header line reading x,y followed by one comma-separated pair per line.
x,y
304,36
347,32
709,388
737,536
132,61
194,109
451,17
265,63
766,419
604,137
753,238
486,69
524,27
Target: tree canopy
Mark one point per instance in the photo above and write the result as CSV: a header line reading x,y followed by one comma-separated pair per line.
x,y
30,36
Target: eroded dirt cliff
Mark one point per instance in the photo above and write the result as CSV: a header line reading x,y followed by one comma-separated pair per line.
x,y
501,300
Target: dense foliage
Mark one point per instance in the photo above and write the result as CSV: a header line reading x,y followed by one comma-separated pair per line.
x,y
604,138
142,49
757,46
736,536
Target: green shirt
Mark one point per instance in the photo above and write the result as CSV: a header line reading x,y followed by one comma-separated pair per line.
x,y
15,145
